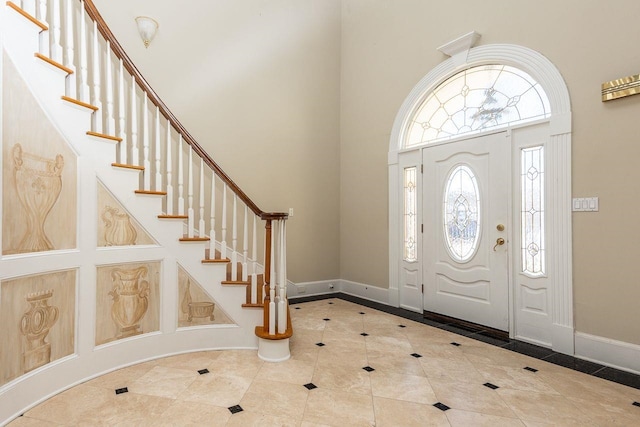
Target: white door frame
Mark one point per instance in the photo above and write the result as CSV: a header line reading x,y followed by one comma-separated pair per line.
x,y
558,153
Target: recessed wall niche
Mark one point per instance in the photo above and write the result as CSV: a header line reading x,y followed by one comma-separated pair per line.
x,y
127,300
195,305
116,227
39,190
37,314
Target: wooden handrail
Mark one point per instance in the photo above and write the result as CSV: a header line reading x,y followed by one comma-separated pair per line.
x,y
117,49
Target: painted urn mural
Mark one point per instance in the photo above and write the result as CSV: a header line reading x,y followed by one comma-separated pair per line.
x,y
37,314
116,226
195,305
38,183
130,295
39,175
35,325
127,300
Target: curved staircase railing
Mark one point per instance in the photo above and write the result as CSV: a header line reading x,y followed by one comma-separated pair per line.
x,y
148,137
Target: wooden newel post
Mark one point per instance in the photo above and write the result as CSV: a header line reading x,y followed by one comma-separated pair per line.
x,y
267,274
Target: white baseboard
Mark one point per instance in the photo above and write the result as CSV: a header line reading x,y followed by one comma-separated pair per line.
x,y
308,289
368,292
323,287
616,354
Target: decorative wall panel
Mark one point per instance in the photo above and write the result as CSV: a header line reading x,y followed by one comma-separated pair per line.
x,y
37,314
127,300
39,190
195,306
116,227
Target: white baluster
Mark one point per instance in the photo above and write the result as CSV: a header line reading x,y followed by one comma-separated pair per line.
x,y
121,115
223,242
135,151
110,126
190,192
245,245
180,178
158,152
169,171
201,230
282,309
145,142
254,262
56,48
69,33
44,35
97,115
84,57
272,285
29,6
212,219
234,239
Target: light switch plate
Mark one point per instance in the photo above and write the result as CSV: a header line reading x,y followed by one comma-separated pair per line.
x,y
585,204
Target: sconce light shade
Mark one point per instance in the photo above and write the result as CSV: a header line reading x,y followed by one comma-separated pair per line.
x,y
147,28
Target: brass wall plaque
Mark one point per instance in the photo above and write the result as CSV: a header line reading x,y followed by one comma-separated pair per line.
x,y
620,88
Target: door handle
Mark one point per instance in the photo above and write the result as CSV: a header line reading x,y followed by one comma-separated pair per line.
x,y
499,242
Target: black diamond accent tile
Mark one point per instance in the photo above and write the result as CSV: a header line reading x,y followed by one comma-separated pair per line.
x,y
531,369
416,355
362,312
330,303
122,390
636,404
402,326
310,386
368,369
320,344
491,386
456,344
297,308
235,409
364,334
441,406
203,371
326,320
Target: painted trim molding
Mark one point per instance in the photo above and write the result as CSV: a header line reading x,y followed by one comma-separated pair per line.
x,y
616,354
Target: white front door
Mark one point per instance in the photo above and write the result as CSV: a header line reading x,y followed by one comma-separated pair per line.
x,y
466,201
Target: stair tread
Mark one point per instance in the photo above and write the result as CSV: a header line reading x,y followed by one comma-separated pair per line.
x,y
151,192
216,261
173,216
194,239
104,136
27,15
126,166
80,103
54,63
248,305
235,282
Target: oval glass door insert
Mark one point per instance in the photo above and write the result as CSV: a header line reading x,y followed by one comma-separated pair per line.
x,y
461,213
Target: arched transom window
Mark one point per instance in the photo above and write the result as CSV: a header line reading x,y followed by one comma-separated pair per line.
x,y
478,98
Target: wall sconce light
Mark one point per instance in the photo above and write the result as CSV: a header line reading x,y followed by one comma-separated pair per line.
x,y
147,28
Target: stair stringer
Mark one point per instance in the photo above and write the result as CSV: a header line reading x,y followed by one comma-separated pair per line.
x,y
19,39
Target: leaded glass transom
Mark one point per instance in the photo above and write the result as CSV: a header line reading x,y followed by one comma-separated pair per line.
x,y
532,211
461,213
410,214
478,98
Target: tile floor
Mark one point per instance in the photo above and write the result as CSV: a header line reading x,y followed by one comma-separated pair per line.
x,y
351,365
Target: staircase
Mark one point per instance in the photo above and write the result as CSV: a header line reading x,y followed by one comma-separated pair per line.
x,y
125,137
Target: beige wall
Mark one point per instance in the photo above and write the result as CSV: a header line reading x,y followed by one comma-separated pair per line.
x,y
303,95
257,84
389,45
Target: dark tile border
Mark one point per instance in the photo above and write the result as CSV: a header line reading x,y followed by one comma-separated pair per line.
x,y
537,352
